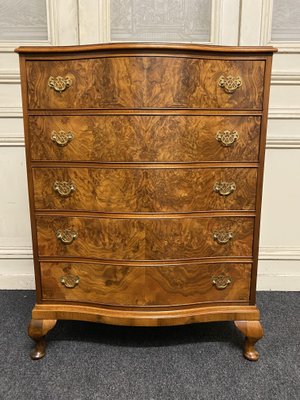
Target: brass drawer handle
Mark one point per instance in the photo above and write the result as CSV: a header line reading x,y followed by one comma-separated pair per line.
x,y
227,138
224,188
66,236
62,138
70,281
222,237
59,83
221,281
230,83
64,188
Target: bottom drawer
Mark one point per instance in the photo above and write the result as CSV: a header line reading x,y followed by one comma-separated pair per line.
x,y
168,285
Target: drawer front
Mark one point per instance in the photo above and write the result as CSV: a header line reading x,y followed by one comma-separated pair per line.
x,y
145,190
145,239
144,138
147,82
145,286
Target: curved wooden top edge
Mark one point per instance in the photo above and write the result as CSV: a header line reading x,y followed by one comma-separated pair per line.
x,y
145,46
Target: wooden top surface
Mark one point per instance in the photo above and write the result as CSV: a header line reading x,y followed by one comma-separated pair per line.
x,y
145,47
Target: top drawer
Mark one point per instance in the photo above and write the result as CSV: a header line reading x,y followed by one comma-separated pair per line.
x,y
145,82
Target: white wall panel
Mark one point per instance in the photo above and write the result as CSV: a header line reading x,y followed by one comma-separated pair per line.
x,y
285,96
11,125
16,273
10,95
279,265
286,62
283,128
14,217
281,198
278,275
250,13
63,22
16,264
226,20
8,61
94,21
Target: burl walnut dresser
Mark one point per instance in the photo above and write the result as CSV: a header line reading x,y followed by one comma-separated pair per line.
x,y
145,166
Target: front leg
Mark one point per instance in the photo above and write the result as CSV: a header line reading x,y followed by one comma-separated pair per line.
x,y
37,330
253,332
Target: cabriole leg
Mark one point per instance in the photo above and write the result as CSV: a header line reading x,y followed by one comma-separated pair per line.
x,y
37,330
253,331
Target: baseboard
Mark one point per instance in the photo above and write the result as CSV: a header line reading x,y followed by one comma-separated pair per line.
x,y
283,283
17,282
279,272
16,273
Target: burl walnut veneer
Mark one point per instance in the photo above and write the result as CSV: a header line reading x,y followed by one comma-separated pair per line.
x,y
145,166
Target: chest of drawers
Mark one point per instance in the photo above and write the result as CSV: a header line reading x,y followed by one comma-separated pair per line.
x,y
145,165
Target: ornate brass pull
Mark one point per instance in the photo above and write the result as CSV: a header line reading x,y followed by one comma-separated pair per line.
x,y
222,237
227,138
59,83
224,188
230,84
66,236
62,138
64,188
70,281
221,281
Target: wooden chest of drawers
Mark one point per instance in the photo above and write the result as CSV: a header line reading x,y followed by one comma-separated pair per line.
x,y
145,167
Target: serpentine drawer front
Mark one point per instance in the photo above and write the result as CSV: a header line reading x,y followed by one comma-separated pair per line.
x,y
145,166
145,238
170,285
147,82
145,190
144,138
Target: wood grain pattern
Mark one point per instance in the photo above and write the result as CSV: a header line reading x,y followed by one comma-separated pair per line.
x,y
145,239
145,103
253,331
145,82
37,330
142,190
145,286
169,316
145,138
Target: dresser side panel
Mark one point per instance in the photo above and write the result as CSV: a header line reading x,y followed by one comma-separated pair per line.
x,y
24,93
